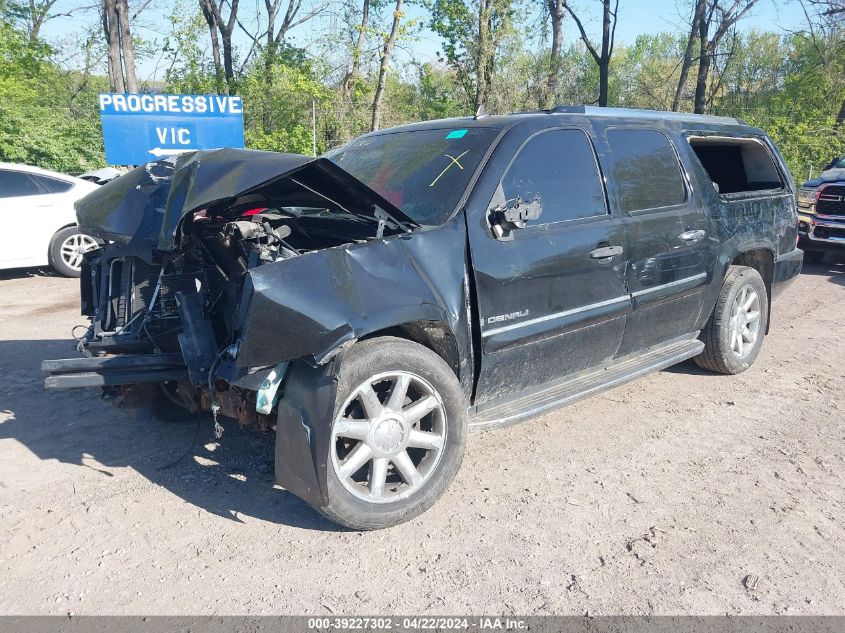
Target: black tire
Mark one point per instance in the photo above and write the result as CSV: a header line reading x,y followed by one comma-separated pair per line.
x,y
719,354
814,257
54,252
364,362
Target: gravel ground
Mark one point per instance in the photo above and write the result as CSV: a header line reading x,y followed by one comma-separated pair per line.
x,y
684,492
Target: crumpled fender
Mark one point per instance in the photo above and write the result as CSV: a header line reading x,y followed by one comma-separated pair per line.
x,y
312,306
302,436
308,306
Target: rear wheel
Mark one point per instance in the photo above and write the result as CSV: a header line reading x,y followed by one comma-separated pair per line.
x,y
398,435
66,249
734,333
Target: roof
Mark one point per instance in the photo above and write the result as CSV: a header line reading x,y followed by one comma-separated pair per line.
x,y
38,170
562,111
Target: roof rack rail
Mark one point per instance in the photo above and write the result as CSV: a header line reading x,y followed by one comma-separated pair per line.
x,y
604,111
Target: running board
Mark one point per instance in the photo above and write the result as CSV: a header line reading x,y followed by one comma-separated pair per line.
x,y
496,415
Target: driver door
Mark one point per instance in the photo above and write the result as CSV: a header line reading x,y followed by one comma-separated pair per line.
x,y
551,296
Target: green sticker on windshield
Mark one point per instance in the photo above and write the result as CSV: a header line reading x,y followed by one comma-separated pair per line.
x,y
456,134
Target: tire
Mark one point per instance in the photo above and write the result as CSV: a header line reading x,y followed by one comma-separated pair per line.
x,y
814,257
723,353
356,500
66,248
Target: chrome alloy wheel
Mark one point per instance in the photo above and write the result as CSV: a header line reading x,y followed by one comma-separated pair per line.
x,y
745,321
388,437
73,247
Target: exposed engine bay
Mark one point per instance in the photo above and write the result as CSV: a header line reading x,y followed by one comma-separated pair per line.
x,y
169,302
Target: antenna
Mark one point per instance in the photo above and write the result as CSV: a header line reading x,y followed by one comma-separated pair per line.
x,y
481,112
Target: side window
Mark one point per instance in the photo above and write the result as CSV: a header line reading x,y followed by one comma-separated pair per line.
x,y
51,185
645,170
736,165
558,167
17,183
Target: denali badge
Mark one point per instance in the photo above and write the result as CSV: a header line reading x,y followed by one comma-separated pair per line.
x,y
507,317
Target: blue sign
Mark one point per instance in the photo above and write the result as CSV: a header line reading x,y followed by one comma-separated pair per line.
x,y
138,128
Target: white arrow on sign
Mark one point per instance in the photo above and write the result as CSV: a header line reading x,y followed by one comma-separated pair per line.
x,y
160,151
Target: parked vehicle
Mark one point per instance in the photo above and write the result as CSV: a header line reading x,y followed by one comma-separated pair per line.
x,y
821,213
38,221
101,176
375,303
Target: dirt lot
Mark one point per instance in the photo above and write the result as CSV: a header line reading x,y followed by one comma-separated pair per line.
x,y
668,495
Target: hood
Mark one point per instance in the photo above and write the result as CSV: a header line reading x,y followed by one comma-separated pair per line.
x,y
145,206
831,175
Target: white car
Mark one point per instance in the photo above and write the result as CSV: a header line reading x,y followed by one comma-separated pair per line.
x,y
38,221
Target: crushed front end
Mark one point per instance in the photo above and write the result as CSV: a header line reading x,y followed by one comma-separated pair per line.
x,y
169,296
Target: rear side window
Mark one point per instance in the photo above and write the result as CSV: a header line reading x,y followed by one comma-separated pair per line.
x,y
645,170
17,183
51,185
736,165
558,167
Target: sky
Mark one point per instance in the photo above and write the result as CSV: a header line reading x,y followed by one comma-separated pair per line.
x,y
636,17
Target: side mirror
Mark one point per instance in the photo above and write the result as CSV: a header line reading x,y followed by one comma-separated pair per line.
x,y
513,214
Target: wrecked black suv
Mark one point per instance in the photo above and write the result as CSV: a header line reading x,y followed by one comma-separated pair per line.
x,y
373,304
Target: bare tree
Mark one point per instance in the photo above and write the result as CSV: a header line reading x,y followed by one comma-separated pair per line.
x,y
723,16
608,36
386,55
276,32
212,12
699,8
213,27
557,11
119,46
127,47
355,64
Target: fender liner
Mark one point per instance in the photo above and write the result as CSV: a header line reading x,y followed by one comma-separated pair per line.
x,y
303,430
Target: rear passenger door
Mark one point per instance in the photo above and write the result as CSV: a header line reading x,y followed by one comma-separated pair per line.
x,y
666,235
552,300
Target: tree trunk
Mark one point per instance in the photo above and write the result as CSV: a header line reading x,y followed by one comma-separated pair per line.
x,y
604,62
483,56
127,48
211,20
112,35
349,78
703,66
608,37
686,63
556,13
386,55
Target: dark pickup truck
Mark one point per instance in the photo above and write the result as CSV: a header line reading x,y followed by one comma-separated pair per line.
x,y
373,304
821,213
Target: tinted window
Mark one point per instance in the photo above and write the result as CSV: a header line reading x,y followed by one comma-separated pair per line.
x,y
17,183
422,172
51,185
559,168
645,170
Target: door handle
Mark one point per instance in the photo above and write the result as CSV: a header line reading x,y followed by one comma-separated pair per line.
x,y
692,236
606,251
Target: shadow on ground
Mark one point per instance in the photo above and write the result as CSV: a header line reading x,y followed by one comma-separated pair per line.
x,y
23,273
230,478
832,267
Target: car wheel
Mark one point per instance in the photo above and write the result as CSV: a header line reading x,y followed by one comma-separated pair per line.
x,y
734,333
398,434
66,249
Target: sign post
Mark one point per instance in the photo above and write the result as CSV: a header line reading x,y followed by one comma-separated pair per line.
x,y
138,128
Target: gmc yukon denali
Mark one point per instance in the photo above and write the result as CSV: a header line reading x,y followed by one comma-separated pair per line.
x,y
370,306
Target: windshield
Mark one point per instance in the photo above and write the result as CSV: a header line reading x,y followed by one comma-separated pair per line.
x,y
421,172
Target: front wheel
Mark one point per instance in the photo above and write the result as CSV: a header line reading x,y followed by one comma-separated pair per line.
x,y
398,434
734,332
66,249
